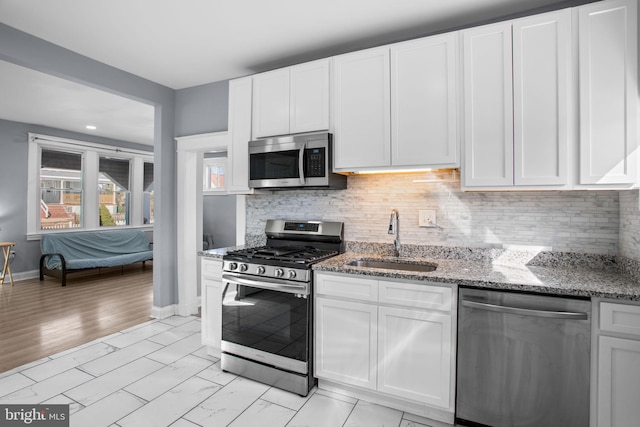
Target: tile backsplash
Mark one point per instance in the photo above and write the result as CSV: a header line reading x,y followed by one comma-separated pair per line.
x,y
630,225
580,221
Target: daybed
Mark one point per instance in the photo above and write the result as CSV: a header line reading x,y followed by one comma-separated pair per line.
x,y
64,253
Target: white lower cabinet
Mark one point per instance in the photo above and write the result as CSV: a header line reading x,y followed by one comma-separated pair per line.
x,y
618,366
387,341
211,276
414,354
346,339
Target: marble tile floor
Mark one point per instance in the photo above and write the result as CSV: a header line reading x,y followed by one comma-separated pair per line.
x,y
159,374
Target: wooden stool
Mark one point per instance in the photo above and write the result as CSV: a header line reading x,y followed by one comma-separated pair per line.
x,y
6,249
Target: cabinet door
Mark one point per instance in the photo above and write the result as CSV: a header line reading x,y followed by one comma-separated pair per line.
x,y
309,109
618,382
211,282
608,92
271,103
361,109
541,76
240,130
424,107
346,342
414,354
488,157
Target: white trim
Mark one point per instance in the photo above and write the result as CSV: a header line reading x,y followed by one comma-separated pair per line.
x,y
90,193
38,236
164,312
189,229
214,141
190,151
54,141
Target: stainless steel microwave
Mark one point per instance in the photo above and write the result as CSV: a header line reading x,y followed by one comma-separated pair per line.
x,y
294,161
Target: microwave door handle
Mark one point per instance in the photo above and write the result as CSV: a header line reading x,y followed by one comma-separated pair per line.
x,y
301,164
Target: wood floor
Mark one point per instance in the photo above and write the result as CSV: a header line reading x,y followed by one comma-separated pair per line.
x,y
38,319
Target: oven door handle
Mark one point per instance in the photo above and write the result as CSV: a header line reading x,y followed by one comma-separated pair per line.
x,y
273,284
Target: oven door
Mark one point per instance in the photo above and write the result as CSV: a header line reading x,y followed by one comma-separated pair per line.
x,y
276,165
267,321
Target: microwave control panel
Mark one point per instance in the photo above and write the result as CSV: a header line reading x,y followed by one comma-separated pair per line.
x,y
315,162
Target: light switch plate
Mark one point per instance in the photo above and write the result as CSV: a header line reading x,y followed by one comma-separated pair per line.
x,y
427,218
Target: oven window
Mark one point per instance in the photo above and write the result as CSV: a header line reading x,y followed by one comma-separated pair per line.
x,y
274,165
267,320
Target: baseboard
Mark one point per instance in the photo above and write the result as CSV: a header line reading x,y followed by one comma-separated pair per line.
x,y
24,275
164,312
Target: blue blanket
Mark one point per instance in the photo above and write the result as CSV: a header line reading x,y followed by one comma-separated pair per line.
x,y
92,249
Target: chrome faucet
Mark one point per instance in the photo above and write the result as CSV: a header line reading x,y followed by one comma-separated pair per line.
x,y
394,228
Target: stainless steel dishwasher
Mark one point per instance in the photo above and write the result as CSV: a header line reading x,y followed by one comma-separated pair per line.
x,y
523,360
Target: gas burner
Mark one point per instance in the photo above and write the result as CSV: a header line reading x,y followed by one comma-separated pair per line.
x,y
286,254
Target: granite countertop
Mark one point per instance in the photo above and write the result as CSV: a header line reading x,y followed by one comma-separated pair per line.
x,y
218,253
559,280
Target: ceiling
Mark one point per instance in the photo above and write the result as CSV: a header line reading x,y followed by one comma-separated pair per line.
x,y
32,97
187,43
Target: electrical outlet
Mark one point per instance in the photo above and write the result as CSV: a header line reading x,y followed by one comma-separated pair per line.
x,y
427,218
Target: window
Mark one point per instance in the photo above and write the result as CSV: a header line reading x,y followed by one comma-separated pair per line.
x,y
214,169
113,185
79,185
147,211
60,190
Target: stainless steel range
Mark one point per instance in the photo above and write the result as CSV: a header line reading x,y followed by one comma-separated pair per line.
x,y
267,307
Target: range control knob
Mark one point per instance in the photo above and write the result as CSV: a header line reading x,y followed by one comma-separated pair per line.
x,y
233,266
291,274
243,267
279,272
260,270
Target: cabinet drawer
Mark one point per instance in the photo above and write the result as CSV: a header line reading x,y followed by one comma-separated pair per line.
x,y
620,318
211,268
425,295
347,287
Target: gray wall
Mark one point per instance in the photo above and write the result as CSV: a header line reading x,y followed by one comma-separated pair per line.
x,y
204,109
219,219
13,191
28,51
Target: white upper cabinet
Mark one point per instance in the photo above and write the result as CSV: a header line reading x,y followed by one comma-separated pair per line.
x,y
240,130
397,106
517,111
291,100
361,109
488,93
424,101
271,103
309,107
608,92
541,83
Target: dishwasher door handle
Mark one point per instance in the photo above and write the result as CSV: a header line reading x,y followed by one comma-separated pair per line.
x,y
567,315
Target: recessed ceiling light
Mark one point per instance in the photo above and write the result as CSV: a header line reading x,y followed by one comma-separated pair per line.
x,y
91,127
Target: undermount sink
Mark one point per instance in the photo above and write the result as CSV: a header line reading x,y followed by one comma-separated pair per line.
x,y
392,265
